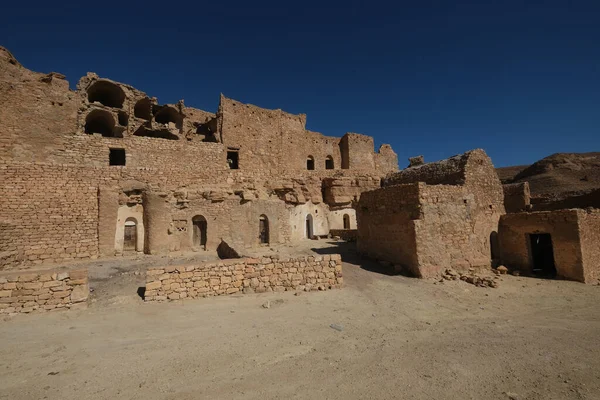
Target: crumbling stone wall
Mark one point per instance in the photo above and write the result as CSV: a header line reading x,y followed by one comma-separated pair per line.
x,y
63,199
246,275
517,197
40,291
432,216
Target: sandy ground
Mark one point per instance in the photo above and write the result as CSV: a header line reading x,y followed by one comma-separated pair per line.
x,y
400,338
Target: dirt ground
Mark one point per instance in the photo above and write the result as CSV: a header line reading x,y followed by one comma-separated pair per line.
x,y
397,337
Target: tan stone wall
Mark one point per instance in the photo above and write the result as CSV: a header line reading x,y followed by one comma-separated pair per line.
x,y
589,235
244,275
386,229
517,197
513,236
39,291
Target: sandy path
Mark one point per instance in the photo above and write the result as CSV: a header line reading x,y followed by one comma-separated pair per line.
x,y
401,338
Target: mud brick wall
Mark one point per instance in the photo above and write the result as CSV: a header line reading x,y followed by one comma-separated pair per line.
x,y
249,275
40,291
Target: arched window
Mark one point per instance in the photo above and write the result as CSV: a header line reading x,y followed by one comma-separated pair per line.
x,y
106,93
310,163
346,221
199,226
100,121
130,235
329,162
309,226
263,229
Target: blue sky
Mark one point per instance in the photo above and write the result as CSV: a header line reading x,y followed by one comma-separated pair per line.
x,y
520,79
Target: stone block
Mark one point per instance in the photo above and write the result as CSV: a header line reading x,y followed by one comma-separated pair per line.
x,y
153,285
79,293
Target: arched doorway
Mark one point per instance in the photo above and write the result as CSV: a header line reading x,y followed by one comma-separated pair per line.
x,y
199,226
130,235
263,229
309,226
346,221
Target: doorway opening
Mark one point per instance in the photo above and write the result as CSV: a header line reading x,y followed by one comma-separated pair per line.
x,y
130,235
199,226
542,255
263,229
233,159
346,221
309,226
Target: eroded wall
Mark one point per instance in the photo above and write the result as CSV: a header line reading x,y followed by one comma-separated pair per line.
x,y
589,235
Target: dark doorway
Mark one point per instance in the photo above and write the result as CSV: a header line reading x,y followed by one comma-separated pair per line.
x,y
233,159
346,221
542,255
263,229
309,226
310,163
130,235
199,226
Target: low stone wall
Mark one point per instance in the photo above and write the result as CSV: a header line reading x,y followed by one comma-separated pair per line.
x,y
246,275
349,235
39,291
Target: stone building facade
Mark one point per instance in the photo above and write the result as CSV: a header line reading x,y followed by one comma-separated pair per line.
x,y
106,169
432,216
560,243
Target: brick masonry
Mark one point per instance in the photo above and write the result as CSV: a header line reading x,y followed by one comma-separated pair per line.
x,y
244,275
41,291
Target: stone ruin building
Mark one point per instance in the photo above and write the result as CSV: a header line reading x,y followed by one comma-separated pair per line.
x,y
453,214
106,170
429,217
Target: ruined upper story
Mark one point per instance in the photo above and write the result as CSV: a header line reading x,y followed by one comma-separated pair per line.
x,y
472,171
106,123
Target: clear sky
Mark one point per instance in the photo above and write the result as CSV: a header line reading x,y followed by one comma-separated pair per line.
x,y
520,79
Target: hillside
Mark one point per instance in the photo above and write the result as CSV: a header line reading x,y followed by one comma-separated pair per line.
x,y
558,175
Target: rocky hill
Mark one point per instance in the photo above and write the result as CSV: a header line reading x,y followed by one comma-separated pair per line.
x,y
558,176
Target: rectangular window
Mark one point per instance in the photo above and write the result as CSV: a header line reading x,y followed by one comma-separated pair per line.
x,y
232,159
116,157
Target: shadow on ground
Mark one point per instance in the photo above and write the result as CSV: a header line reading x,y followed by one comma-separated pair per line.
x,y
351,256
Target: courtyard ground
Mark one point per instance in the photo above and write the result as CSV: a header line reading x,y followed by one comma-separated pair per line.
x,y
396,337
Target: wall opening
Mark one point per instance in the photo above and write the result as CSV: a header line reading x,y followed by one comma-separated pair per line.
x,y
310,163
542,255
155,133
329,162
168,115
199,228
130,235
143,109
233,159
263,229
116,157
346,221
309,226
106,93
123,118
494,245
100,121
